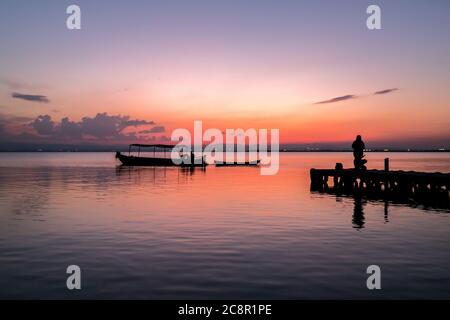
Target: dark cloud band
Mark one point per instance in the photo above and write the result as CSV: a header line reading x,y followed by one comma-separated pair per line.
x,y
157,129
338,99
30,97
385,91
102,126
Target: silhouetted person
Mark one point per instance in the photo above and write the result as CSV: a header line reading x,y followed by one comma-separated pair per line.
x,y
192,158
358,153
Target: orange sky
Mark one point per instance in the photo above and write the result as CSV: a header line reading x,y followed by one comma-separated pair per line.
x,y
149,65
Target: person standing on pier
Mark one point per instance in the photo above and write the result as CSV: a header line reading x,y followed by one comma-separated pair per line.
x,y
358,153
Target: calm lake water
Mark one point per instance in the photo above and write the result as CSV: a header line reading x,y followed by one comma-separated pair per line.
x,y
161,233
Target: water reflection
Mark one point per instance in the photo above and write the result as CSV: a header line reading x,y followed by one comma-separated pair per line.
x,y
429,204
27,192
386,211
358,218
360,201
358,213
157,175
215,233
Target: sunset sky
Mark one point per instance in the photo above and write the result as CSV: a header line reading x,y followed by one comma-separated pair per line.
x,y
139,69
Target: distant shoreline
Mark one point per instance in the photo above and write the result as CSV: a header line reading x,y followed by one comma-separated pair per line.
x,y
281,151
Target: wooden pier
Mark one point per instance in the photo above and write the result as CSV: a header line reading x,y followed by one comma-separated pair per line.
x,y
419,186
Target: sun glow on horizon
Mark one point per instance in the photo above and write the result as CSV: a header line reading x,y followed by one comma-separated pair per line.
x,y
273,67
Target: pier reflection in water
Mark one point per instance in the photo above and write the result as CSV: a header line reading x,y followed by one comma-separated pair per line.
x,y
358,218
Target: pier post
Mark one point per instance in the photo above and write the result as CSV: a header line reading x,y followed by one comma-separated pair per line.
x,y
386,180
337,178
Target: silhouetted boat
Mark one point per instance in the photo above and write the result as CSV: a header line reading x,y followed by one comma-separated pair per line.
x,y
130,160
237,164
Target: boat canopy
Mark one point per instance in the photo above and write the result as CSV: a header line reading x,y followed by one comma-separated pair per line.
x,y
162,146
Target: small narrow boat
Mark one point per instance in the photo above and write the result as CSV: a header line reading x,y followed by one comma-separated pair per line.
x,y
132,160
237,164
